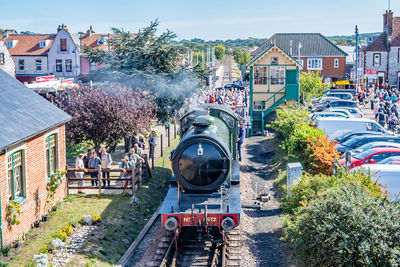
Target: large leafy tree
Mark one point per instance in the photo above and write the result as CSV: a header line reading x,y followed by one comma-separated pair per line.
x,y
147,61
105,114
219,51
311,85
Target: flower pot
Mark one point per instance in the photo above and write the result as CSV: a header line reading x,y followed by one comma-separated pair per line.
x,y
17,244
36,224
44,218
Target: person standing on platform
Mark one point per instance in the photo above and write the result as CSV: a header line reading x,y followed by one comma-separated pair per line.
x,y
81,167
152,143
240,140
106,162
93,164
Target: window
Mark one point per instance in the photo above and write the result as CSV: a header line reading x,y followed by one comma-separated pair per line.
x,y
42,43
257,105
274,60
15,176
2,59
377,60
21,64
92,66
10,44
260,75
38,65
51,154
63,44
314,63
336,63
68,65
277,75
58,65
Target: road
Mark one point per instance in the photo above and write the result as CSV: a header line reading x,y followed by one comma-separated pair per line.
x,y
230,72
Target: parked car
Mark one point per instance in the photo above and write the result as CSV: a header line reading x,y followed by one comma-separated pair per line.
x,y
372,156
345,96
335,104
387,175
352,134
395,160
372,145
323,100
313,116
229,86
351,91
355,112
334,127
365,139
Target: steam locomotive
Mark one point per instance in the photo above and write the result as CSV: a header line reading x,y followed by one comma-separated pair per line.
x,y
204,194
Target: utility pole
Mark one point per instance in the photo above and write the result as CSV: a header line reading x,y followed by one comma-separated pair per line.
x,y
299,47
356,72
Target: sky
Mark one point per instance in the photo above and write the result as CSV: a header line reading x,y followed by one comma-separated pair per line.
x,y
205,19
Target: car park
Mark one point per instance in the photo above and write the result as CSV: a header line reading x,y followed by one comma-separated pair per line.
x,y
334,127
365,139
395,160
371,156
334,104
323,100
387,175
345,96
352,134
374,145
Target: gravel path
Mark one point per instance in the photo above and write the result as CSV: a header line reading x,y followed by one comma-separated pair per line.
x,y
261,228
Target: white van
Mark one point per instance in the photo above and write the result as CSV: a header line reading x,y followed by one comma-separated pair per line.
x,y
387,175
334,127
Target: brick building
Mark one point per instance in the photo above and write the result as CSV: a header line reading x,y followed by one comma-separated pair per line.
x,y
32,146
316,53
380,59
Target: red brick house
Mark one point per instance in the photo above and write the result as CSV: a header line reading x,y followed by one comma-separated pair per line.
x,y
317,53
32,146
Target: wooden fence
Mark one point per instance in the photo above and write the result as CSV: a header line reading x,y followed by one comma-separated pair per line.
x,y
138,174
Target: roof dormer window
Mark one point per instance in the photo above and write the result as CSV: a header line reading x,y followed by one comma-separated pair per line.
x,y
42,43
11,43
101,40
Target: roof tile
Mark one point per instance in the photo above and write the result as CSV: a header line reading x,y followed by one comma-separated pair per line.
x,y
28,45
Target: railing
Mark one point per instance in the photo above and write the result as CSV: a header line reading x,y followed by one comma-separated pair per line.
x,y
272,97
138,174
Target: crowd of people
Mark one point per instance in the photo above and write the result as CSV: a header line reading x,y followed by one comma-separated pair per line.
x,y
93,159
230,97
384,103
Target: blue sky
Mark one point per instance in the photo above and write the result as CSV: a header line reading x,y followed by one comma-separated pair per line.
x,y
206,19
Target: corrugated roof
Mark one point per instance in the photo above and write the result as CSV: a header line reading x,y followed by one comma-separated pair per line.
x,y
28,45
379,44
313,45
24,113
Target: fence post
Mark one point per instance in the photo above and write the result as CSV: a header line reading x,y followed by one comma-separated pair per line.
x,y
99,177
67,176
174,130
161,146
133,180
152,160
169,142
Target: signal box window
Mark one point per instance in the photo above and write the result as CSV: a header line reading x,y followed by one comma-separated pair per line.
x,y
260,75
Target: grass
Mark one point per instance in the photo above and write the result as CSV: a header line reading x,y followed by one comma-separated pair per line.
x,y
121,221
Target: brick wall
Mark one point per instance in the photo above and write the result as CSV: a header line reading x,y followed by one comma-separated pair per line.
x,y
328,67
35,168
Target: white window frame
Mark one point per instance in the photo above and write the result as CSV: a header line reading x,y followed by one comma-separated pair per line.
x,y
42,43
2,59
10,151
336,63
21,67
376,56
314,63
38,65
10,43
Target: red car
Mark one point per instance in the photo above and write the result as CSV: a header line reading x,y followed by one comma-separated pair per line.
x,y
372,156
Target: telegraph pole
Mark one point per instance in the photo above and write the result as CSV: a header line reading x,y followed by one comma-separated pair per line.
x,y
356,72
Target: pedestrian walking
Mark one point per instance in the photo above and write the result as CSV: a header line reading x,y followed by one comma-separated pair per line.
x,y
382,118
152,143
240,140
106,162
79,165
94,162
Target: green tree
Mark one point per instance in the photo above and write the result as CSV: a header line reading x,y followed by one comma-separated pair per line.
x,y
149,62
242,57
219,51
311,85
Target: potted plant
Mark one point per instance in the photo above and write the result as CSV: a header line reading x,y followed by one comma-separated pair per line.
x,y
44,218
17,244
37,224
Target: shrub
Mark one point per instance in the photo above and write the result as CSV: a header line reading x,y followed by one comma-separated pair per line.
x,y
297,141
58,244
310,187
44,250
68,229
287,120
320,155
86,220
347,227
61,235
